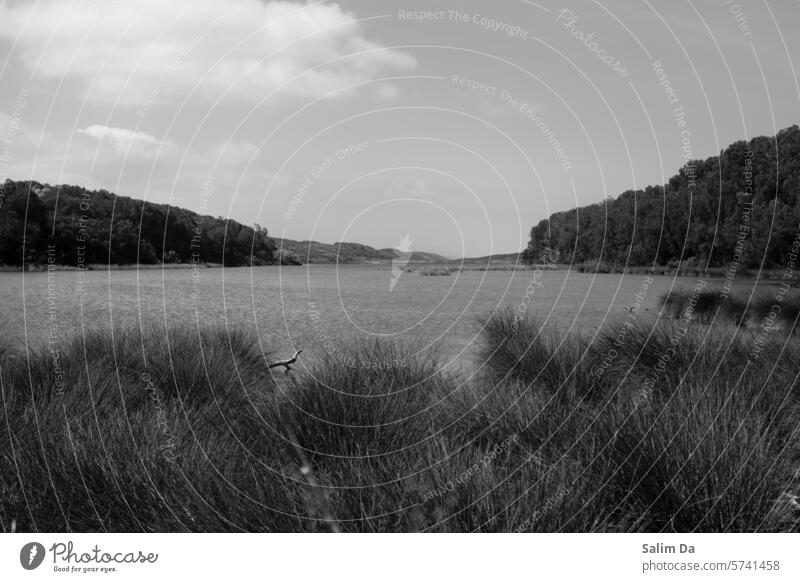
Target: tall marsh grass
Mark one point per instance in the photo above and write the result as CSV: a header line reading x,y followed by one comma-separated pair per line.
x,y
187,430
777,303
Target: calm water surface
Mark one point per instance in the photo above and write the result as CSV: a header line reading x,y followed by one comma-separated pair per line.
x,y
316,308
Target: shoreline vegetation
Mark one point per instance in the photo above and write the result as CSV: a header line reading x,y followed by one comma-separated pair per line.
x,y
674,423
739,211
43,268
448,268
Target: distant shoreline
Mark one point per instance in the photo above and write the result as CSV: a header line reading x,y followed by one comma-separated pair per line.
x,y
454,265
44,268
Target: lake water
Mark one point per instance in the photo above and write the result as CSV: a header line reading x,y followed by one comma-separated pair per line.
x,y
316,308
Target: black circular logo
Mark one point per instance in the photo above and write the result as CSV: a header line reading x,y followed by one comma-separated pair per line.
x,y
31,555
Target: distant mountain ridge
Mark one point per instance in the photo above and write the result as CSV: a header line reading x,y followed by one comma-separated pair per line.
x,y
315,252
504,258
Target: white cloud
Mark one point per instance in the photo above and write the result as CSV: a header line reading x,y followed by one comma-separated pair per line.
x,y
138,53
388,91
127,142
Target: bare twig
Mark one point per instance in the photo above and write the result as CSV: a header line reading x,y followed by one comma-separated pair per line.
x,y
286,363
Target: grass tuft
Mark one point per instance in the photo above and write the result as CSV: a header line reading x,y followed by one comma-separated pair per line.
x,y
655,425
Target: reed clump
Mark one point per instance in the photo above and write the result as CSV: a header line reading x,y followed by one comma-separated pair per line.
x,y
777,307
654,425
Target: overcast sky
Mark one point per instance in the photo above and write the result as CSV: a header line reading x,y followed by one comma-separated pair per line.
x,y
359,121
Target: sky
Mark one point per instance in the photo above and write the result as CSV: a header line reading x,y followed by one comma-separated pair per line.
x,y
457,124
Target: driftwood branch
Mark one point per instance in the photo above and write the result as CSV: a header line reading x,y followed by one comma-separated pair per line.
x,y
286,363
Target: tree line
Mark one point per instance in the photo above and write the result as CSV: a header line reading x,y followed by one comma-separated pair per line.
x,y
69,225
741,206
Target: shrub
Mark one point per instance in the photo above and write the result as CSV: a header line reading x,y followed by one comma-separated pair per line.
x,y
436,272
152,431
519,348
739,307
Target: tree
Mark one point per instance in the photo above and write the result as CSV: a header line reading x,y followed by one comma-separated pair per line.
x,y
100,227
695,217
23,219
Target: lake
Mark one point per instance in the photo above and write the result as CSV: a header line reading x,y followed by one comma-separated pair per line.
x,y
317,308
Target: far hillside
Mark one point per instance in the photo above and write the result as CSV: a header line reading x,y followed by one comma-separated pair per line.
x,y
740,209
72,226
507,258
321,253
69,225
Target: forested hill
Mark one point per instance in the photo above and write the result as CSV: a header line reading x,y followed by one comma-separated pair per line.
x,y
344,252
141,232
743,206
69,225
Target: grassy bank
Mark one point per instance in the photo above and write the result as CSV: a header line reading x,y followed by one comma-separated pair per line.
x,y
765,310
44,267
601,267
651,426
